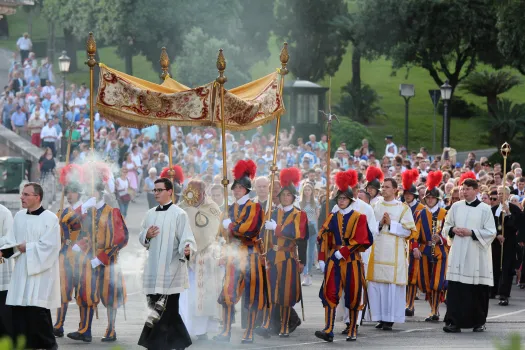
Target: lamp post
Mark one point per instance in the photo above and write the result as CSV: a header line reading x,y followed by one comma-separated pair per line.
x,y
63,65
406,91
446,94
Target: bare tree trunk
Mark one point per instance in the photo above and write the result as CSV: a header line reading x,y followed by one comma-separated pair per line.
x,y
128,57
30,22
51,41
71,48
356,82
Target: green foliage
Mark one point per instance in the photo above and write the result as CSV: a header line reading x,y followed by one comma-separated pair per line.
x,y
350,132
490,84
459,108
511,26
361,106
200,50
513,344
506,123
316,46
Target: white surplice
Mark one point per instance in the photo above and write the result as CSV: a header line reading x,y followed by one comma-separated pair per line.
x,y
6,265
469,260
166,270
36,277
388,266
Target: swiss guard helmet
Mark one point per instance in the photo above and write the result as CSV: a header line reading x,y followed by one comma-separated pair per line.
x,y
289,178
374,177
433,180
178,178
71,177
345,181
244,172
409,177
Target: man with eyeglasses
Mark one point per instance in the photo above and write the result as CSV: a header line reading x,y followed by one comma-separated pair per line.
x,y
166,233
34,289
504,269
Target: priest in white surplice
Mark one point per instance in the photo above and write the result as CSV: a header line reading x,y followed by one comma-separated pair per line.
x,y
198,305
388,267
6,268
34,244
471,230
167,235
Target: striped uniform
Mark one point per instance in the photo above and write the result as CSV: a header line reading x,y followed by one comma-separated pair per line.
x,y
104,282
432,270
349,234
284,284
244,272
413,264
70,225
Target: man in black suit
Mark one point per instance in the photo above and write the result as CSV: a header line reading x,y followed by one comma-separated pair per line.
x,y
510,222
18,83
520,190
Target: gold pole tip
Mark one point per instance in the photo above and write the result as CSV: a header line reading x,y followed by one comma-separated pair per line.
x,y
221,61
505,149
164,63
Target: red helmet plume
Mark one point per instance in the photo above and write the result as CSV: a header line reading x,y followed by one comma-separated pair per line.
x,y
434,179
71,172
467,175
409,177
290,176
373,173
346,179
178,175
244,168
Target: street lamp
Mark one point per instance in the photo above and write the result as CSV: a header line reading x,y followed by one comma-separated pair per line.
x,y
406,91
63,65
446,94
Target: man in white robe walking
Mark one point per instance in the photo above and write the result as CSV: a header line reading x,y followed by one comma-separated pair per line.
x,y
388,267
167,235
34,243
471,230
6,268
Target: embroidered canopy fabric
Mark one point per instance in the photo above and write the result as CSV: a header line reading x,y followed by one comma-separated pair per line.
x,y
131,101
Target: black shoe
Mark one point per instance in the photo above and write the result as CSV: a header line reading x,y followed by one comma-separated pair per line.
x,y
58,333
247,341
80,336
346,330
409,312
387,326
202,336
325,336
451,329
432,318
293,326
109,339
379,325
263,332
222,338
351,338
504,302
479,329
284,335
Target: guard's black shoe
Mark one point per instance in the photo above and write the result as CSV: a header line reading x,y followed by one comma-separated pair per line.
x,y
263,332
58,333
432,318
409,312
346,330
222,338
109,339
479,329
202,336
284,335
387,326
325,336
451,329
504,302
379,325
80,336
351,338
247,341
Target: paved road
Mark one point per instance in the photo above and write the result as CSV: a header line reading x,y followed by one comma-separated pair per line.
x,y
414,334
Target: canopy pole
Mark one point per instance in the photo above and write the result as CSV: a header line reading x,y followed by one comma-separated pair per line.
x,y
91,48
282,71
221,80
69,127
164,66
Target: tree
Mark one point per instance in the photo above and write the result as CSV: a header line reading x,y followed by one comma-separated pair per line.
x,y
196,61
316,45
350,132
511,26
490,85
506,123
362,107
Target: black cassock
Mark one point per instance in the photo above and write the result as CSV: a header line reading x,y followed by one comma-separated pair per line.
x,y
504,274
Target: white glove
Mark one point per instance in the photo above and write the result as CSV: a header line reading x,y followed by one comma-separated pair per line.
x,y
95,262
270,225
226,223
76,248
335,209
338,255
90,203
322,265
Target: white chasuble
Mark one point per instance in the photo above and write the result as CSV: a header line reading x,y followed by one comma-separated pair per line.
x,y
36,277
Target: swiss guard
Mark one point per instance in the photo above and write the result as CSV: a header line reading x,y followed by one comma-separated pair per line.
x,y
288,225
410,195
244,272
344,235
432,246
374,178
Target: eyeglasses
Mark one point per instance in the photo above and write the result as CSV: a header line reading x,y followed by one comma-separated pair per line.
x,y
158,190
28,194
493,199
